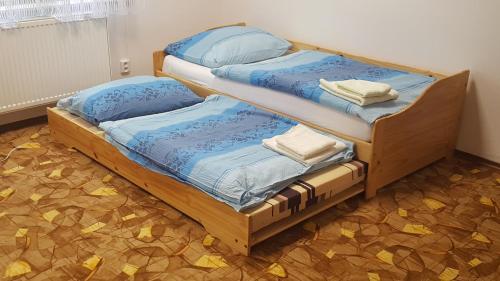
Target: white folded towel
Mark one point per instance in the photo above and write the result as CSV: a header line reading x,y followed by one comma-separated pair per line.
x,y
339,147
304,145
361,101
304,142
363,88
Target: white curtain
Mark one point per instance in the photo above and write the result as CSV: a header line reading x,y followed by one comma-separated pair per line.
x,y
14,11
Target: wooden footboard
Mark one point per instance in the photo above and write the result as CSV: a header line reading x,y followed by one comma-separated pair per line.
x,y
419,135
402,143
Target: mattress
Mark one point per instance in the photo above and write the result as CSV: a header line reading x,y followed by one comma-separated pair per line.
x,y
282,102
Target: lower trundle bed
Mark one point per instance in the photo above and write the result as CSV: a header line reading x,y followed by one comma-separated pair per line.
x,y
241,230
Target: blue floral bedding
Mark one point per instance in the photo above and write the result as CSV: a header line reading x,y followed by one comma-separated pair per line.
x,y
129,97
299,74
215,146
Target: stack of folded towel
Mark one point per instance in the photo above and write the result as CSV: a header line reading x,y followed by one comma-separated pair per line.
x,y
304,145
360,92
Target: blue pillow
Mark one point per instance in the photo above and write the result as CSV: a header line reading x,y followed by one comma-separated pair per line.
x,y
130,97
229,45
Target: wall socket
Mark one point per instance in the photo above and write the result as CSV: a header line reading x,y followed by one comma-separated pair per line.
x,y
124,65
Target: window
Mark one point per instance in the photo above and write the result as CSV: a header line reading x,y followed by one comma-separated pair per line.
x,y
14,11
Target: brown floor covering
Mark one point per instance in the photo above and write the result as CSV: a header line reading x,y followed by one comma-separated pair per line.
x,y
65,217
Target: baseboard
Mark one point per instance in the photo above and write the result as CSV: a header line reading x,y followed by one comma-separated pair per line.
x,y
23,124
31,112
472,157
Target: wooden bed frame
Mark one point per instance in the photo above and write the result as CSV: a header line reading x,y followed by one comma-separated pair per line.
x,y
402,143
239,230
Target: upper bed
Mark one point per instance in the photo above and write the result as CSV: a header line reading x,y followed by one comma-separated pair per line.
x,y
422,131
286,80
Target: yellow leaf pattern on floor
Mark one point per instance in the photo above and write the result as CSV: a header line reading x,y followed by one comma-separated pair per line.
x,y
480,237
17,268
448,274
373,276
330,254
56,174
29,145
386,256
433,203
12,170
35,136
21,232
475,171
46,162
129,217
347,233
456,178
402,212
208,261
277,270
130,269
145,232
7,192
104,191
486,201
96,226
208,240
416,229
50,215
92,262
107,178
57,250
475,262
35,197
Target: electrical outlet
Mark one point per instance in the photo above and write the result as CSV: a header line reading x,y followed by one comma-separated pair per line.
x,y
124,65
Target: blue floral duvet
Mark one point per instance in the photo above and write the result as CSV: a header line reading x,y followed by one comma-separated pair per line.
x,y
299,74
215,146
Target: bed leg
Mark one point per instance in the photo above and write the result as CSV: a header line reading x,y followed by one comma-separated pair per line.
x,y
237,239
370,190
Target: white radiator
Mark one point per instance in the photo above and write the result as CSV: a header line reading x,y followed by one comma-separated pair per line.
x,y
42,61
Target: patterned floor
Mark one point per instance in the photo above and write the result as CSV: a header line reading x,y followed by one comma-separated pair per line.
x,y
64,217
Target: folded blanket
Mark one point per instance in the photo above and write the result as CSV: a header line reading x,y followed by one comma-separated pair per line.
x,y
304,142
336,91
362,88
315,159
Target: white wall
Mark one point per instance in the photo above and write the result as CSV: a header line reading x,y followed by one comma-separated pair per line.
x,y
151,26
445,36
